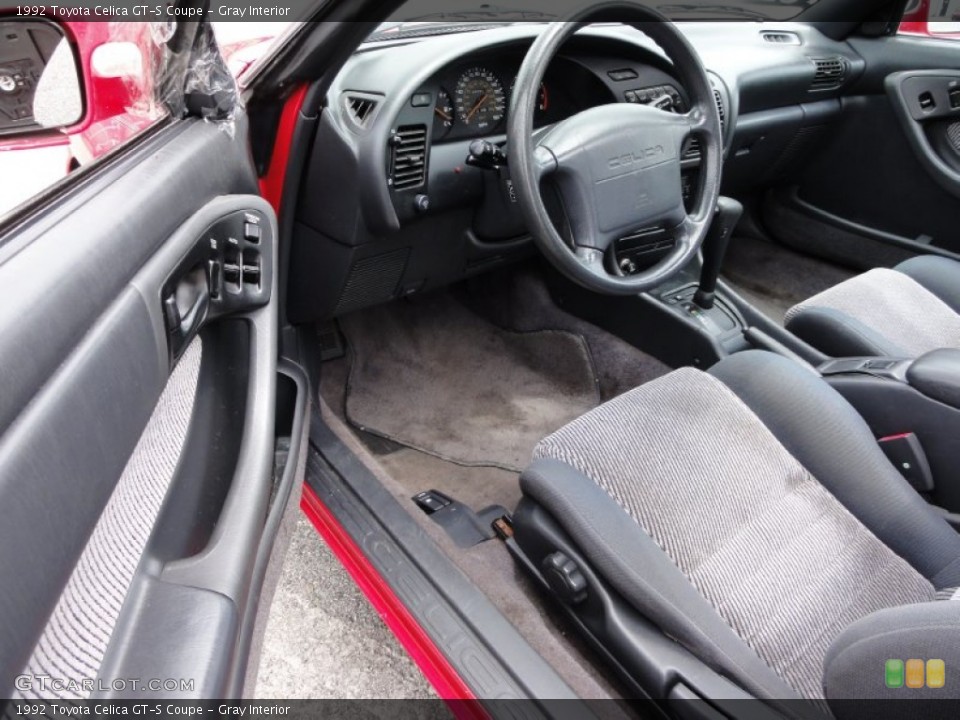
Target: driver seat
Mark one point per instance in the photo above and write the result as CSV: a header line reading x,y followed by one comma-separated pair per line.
x,y
738,534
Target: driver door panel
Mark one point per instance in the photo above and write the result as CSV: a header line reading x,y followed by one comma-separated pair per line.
x,y
137,430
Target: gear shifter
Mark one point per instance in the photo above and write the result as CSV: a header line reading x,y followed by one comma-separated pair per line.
x,y
714,249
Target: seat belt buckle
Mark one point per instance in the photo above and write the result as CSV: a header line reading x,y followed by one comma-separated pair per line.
x,y
906,453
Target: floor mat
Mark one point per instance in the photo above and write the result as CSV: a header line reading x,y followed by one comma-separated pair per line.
x,y
519,300
433,376
775,278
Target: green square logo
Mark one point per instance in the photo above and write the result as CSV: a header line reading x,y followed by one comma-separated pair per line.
x,y
894,673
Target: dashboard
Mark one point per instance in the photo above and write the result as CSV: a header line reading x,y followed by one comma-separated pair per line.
x,y
392,203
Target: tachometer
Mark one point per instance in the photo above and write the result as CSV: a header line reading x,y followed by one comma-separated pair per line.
x,y
443,114
480,100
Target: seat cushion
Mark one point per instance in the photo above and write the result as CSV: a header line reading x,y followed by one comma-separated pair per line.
x,y
775,554
881,312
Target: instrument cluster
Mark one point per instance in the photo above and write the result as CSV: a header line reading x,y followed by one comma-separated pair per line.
x,y
473,100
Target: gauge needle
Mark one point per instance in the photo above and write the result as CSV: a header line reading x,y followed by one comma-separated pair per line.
x,y
444,115
480,103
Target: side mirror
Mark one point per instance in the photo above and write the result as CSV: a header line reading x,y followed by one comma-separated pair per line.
x,y
117,60
943,18
41,87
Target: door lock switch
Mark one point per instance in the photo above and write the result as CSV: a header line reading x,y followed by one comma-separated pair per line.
x,y
171,313
216,280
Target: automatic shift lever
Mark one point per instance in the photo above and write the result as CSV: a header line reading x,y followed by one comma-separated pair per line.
x,y
714,249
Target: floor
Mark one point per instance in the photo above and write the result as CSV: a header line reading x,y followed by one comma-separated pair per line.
x,y
323,638
499,309
775,278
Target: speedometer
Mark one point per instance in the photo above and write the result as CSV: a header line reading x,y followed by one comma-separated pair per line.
x,y
480,100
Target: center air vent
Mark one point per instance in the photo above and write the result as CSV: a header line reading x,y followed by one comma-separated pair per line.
x,y
830,73
408,157
781,37
361,108
691,149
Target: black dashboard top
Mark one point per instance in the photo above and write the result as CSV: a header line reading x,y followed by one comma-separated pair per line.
x,y
397,103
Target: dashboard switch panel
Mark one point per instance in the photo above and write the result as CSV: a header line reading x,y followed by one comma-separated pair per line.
x,y
666,97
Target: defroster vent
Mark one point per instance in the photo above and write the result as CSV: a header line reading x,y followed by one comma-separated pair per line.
x,y
362,108
408,157
781,37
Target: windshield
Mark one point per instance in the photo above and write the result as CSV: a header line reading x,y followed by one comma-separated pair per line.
x,y
465,12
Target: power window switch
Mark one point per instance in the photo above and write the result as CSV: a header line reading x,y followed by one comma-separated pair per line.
x,y
251,274
955,98
231,273
251,232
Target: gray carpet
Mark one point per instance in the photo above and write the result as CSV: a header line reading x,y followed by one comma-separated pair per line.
x,y
775,278
517,301
488,565
434,376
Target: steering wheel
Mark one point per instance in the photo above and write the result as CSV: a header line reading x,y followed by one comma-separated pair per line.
x,y
617,166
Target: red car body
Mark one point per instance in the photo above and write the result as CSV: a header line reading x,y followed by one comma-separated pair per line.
x,y
916,21
115,108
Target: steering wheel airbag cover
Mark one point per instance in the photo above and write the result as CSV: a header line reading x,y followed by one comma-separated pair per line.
x,y
617,167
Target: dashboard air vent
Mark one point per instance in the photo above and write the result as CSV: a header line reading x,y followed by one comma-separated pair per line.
x,y
781,37
408,157
361,108
718,99
691,151
830,73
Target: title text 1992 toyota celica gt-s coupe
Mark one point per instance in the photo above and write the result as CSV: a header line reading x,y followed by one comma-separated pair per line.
x,y
615,358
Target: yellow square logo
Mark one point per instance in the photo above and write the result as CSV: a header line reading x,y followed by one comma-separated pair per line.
x,y
936,674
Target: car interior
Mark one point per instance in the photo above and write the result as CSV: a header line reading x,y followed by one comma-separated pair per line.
x,y
624,352
452,346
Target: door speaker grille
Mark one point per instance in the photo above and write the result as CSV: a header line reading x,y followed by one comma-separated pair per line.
x,y
953,132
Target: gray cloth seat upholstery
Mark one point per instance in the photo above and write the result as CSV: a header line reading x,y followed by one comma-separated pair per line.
x,y
904,312
749,514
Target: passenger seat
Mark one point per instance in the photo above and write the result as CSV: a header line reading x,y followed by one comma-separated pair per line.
x,y
904,312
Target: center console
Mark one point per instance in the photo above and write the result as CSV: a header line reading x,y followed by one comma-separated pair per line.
x,y
913,407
